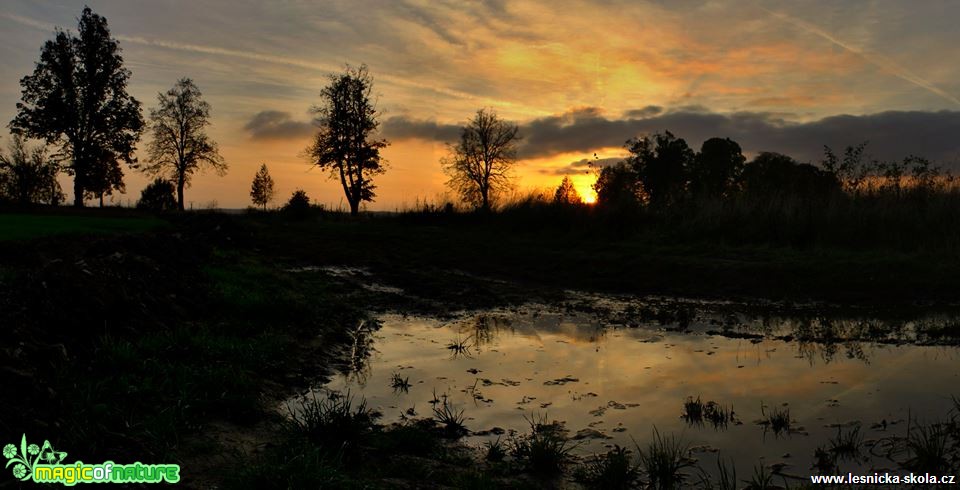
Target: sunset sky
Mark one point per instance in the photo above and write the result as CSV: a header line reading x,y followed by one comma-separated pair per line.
x,y
578,77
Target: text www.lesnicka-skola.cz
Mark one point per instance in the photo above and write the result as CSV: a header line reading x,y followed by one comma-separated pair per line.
x,y
884,479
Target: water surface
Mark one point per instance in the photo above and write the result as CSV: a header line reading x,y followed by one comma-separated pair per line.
x,y
613,372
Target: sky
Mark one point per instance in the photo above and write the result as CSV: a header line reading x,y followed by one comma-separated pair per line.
x,y
578,77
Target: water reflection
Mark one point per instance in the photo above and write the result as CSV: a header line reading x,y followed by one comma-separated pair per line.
x,y
797,391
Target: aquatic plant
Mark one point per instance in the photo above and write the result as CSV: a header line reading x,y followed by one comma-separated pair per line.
x,y
928,446
847,444
664,460
761,479
400,384
331,419
613,470
495,450
450,419
545,450
695,412
778,419
459,346
726,477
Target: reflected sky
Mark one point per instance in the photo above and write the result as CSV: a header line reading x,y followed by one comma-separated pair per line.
x,y
623,382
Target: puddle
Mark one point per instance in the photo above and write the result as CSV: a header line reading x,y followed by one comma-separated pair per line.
x,y
612,384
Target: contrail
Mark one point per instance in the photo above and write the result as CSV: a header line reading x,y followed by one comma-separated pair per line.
x,y
882,62
270,58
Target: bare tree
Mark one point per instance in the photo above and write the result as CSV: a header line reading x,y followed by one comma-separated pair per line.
x,y
261,191
479,165
347,118
180,143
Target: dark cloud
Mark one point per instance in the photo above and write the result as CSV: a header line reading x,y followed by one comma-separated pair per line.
x,y
402,127
891,134
277,125
648,111
582,166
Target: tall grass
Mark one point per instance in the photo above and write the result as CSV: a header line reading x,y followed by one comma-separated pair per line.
x,y
904,214
545,450
334,419
663,461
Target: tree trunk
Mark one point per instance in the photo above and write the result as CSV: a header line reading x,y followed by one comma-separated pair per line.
x,y
180,192
77,192
484,194
354,207
101,199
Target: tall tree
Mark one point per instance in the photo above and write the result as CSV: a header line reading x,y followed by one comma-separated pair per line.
x,y
180,144
479,164
29,175
566,193
716,169
261,191
662,162
344,144
617,187
77,99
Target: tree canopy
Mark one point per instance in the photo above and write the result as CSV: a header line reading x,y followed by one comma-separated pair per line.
x,y
77,99
662,162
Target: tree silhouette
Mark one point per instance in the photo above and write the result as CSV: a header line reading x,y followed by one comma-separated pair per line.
x,y
479,164
566,193
851,169
347,118
29,175
158,196
773,176
261,191
77,99
662,163
716,168
180,144
617,186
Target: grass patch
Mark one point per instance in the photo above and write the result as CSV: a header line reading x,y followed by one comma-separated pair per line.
x,y
776,419
333,420
847,444
663,461
545,450
451,419
25,226
399,383
614,470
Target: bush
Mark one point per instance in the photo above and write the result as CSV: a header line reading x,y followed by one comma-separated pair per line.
x,y
158,196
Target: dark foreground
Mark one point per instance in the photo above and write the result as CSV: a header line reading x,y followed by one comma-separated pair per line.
x,y
132,338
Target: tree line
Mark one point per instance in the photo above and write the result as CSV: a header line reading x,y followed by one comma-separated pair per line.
x,y
76,102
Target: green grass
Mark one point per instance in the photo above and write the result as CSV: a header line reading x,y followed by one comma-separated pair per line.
x,y
22,226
